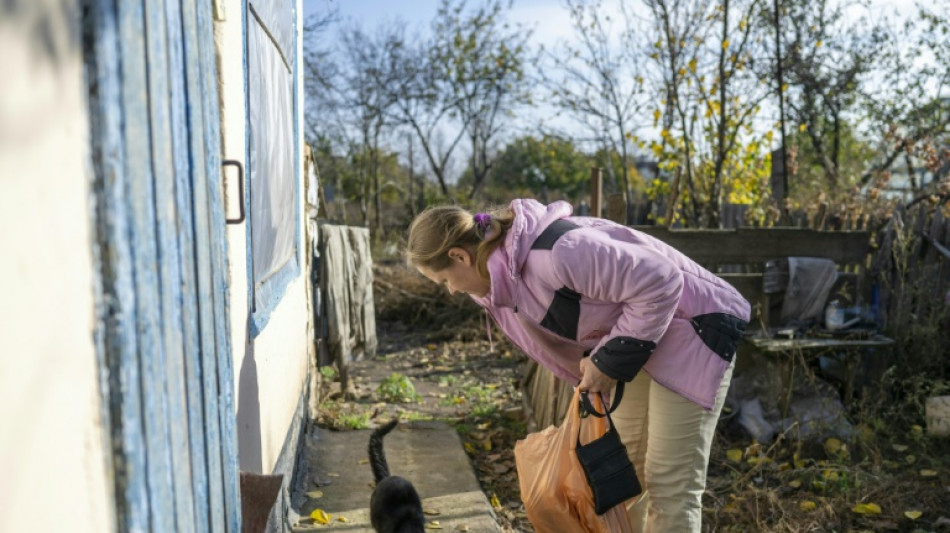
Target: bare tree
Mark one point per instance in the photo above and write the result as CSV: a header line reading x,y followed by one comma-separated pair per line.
x,y
325,115
478,59
319,72
599,80
420,104
372,72
909,105
826,62
349,92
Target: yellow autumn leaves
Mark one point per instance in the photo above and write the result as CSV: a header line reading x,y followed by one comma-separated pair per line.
x,y
322,517
485,445
734,455
807,505
863,508
867,509
830,475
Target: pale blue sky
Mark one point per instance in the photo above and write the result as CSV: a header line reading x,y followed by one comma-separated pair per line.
x,y
548,18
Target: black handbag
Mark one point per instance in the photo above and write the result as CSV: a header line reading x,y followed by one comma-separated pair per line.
x,y
610,474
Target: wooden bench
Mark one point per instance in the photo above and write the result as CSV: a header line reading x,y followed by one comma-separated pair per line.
x,y
739,257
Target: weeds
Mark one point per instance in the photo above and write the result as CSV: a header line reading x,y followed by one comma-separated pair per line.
x,y
343,416
397,388
329,373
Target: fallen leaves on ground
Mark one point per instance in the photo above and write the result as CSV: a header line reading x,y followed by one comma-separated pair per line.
x,y
320,516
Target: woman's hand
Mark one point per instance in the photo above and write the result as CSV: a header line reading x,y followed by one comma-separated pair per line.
x,y
594,380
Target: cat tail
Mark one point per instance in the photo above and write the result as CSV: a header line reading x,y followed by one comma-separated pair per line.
x,y
377,456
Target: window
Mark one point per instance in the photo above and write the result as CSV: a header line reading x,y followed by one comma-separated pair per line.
x,y
273,160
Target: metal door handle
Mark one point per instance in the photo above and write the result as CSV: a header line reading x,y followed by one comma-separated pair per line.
x,y
240,169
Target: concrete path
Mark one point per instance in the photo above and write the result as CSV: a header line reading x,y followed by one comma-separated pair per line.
x,y
429,454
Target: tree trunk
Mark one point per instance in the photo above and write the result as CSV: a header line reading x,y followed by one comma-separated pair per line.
x,y
376,193
715,200
781,108
625,174
836,145
412,179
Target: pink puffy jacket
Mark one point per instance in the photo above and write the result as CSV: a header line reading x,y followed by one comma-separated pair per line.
x,y
563,287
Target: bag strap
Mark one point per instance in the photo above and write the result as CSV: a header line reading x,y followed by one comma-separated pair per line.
x,y
587,408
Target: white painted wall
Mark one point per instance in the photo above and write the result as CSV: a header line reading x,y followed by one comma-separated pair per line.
x,y
52,446
270,370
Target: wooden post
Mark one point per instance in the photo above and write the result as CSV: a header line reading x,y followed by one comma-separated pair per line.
x,y
617,208
596,192
820,221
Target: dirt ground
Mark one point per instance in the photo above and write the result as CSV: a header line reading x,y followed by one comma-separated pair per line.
x,y
435,361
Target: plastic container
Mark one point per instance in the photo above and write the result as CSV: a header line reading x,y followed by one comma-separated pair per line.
x,y
837,317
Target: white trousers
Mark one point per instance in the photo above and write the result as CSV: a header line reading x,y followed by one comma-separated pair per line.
x,y
668,439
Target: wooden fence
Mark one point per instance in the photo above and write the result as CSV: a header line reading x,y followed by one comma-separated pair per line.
x,y
912,270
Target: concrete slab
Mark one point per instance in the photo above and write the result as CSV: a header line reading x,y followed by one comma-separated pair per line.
x,y
467,511
429,454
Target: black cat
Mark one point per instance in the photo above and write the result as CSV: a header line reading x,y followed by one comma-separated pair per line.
x,y
395,506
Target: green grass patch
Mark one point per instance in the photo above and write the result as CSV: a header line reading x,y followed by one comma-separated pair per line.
x,y
397,388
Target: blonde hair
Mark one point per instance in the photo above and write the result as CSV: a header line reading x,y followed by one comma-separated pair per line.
x,y
438,229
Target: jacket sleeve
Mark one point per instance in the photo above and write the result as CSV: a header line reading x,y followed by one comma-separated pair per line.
x,y
645,282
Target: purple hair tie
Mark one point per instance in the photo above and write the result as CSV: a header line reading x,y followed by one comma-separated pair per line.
x,y
482,220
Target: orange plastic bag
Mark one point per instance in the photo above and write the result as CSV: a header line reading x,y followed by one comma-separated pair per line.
x,y
554,489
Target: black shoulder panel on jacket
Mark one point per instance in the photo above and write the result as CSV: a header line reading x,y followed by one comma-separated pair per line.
x,y
552,233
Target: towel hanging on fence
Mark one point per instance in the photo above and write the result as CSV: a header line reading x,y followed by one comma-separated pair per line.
x,y
809,281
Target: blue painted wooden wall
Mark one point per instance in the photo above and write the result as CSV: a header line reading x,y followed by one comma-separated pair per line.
x,y
161,251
